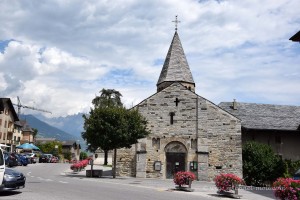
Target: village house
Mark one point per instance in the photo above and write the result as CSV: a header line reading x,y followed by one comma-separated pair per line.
x,y
8,117
275,125
188,132
73,147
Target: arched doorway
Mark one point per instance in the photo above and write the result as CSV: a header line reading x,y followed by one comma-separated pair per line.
x,y
175,158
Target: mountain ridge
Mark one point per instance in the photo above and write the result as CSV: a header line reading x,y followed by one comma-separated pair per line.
x,y
46,130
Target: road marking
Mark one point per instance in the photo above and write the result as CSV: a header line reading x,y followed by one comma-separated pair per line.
x,y
63,182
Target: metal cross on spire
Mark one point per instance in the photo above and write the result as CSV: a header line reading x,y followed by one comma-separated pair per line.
x,y
176,22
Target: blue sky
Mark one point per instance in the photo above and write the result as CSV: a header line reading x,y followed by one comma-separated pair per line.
x,y
57,55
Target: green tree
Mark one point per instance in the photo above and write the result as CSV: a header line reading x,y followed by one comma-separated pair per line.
x,y
107,98
83,155
113,126
49,147
260,164
67,155
35,133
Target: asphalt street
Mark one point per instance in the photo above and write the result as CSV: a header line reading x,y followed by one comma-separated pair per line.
x,y
47,181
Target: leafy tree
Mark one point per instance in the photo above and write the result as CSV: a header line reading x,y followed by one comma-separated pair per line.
x,y
111,126
83,155
49,147
67,155
35,132
260,164
107,98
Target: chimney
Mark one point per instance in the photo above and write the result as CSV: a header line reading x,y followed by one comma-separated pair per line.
x,y
234,105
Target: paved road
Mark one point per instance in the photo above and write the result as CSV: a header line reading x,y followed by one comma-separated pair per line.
x,y
47,181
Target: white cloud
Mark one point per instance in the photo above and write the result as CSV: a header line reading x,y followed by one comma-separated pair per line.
x,y
66,51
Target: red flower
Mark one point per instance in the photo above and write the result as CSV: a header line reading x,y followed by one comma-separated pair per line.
x,y
226,182
182,178
287,188
80,164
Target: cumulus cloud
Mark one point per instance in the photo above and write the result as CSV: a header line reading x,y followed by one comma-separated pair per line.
x,y
58,55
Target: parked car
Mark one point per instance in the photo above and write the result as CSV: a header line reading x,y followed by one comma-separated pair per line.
x,y
43,158
32,157
22,160
54,159
49,156
11,159
13,179
297,175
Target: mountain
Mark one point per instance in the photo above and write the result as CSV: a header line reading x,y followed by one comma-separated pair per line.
x,y
72,124
48,131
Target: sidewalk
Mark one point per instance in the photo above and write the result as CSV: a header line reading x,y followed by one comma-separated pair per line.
x,y
201,188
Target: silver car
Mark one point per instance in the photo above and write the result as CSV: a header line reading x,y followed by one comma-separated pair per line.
x,y
13,179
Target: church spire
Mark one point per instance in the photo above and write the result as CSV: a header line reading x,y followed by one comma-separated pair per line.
x,y
175,67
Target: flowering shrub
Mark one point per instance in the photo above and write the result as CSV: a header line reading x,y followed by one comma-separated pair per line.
x,y
79,165
287,188
182,178
226,182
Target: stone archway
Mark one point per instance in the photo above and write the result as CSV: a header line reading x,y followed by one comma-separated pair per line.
x,y
176,154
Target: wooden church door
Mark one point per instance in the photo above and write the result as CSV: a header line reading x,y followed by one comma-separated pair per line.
x,y
176,154
175,163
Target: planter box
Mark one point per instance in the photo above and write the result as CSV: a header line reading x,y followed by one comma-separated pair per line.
x,y
186,189
96,173
230,194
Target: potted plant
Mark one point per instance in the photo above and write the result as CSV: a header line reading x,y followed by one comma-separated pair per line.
x,y
79,165
228,184
287,188
183,179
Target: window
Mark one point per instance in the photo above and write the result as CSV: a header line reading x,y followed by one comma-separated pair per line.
x,y
5,124
156,143
0,122
172,114
0,135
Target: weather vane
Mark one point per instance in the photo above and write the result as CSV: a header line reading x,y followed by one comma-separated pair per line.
x,y
176,22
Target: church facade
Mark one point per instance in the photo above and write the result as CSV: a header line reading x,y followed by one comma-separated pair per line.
x,y
188,132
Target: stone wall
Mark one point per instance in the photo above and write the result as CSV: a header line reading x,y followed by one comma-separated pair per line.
x,y
211,136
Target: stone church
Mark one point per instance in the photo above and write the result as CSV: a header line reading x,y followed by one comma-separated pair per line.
x,y
188,132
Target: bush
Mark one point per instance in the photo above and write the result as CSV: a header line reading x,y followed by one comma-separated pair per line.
x,y
67,155
260,164
83,155
287,188
291,167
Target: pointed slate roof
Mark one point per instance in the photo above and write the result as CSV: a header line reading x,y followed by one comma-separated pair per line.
x,y
176,67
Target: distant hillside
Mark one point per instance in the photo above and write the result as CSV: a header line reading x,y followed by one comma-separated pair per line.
x,y
46,130
72,124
